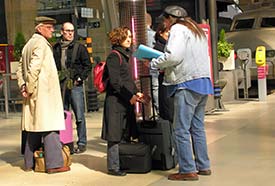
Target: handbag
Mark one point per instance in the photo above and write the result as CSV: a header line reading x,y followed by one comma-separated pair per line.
x,y
100,82
40,160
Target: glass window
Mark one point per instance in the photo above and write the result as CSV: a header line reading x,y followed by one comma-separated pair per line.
x,y
268,22
243,24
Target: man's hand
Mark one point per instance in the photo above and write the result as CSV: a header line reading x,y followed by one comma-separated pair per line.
x,y
24,91
78,82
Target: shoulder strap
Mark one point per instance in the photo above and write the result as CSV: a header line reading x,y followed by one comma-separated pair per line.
x,y
119,55
75,49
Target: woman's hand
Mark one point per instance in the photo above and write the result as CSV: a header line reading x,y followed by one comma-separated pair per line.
x,y
140,97
133,100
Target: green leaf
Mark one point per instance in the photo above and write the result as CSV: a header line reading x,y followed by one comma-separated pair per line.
x,y
19,43
223,47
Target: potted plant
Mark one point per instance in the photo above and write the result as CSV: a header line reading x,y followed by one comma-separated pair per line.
x,y
18,45
224,48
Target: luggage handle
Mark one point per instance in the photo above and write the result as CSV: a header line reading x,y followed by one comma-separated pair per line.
x,y
154,150
152,97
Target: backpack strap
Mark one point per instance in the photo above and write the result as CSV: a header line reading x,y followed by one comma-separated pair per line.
x,y
75,49
74,53
119,55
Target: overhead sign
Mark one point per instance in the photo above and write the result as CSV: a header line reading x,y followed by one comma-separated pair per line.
x,y
87,12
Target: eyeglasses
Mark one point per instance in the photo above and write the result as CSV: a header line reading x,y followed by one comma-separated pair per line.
x,y
68,30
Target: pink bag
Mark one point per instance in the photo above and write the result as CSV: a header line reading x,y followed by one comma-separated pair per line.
x,y
66,136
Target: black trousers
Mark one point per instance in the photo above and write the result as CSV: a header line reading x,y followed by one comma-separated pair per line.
x,y
166,103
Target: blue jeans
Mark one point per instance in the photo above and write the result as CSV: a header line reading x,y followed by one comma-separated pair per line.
x,y
190,138
75,98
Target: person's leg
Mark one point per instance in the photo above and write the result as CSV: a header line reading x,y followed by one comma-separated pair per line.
x,y
155,87
184,107
199,137
113,156
162,98
113,165
53,153
53,150
79,111
67,99
166,104
33,143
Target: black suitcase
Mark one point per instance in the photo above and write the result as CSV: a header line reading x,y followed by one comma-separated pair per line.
x,y
158,133
135,157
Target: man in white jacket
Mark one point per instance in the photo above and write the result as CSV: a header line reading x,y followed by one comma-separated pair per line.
x,y
187,76
43,114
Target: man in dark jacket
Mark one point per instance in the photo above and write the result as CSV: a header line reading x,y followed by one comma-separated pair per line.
x,y
73,63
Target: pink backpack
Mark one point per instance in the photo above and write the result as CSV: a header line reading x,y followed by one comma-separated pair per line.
x,y
98,72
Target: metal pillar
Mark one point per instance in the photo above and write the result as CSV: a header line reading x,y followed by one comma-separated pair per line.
x,y
110,14
6,96
212,8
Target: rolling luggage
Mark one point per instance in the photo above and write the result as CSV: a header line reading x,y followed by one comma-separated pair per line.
x,y
135,157
66,136
158,133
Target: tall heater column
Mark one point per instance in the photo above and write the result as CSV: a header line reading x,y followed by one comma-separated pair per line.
x,y
132,15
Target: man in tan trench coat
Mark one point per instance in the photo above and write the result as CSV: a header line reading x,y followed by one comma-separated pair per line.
x,y
43,114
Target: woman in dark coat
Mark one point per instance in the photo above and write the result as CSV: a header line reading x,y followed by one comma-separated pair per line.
x,y
121,97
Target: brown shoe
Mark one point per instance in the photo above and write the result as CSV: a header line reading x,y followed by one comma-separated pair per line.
x,y
205,172
57,170
183,176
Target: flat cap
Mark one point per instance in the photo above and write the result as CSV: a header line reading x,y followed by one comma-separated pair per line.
x,y
44,20
175,11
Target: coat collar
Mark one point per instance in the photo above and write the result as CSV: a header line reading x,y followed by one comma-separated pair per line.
x,y
125,52
39,36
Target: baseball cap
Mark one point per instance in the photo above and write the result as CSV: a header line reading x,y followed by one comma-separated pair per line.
x,y
175,11
44,20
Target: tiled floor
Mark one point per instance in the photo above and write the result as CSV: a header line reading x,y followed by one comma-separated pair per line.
x,y
240,144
